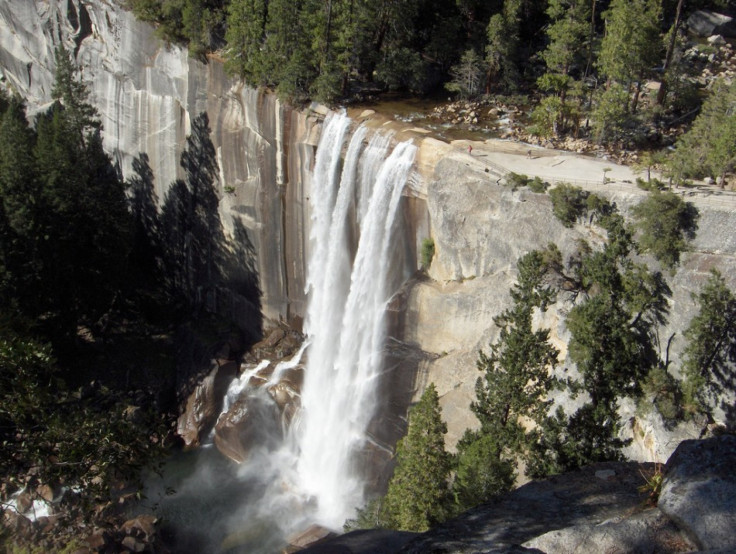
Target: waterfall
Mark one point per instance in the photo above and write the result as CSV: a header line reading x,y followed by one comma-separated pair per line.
x,y
312,471
345,314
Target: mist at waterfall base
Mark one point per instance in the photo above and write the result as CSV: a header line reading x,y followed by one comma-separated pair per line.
x,y
312,471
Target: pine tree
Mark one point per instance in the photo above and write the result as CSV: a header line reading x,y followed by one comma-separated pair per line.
x,y
288,50
246,36
708,147
612,342
501,50
83,230
567,35
667,223
631,46
711,349
512,393
74,96
418,493
467,76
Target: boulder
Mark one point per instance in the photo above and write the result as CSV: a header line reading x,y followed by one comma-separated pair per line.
x,y
311,535
576,499
699,491
23,502
648,531
287,398
133,545
252,421
142,526
17,525
98,539
205,403
705,23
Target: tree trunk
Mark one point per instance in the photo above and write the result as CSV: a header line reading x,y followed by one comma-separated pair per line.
x,y
590,39
662,94
635,101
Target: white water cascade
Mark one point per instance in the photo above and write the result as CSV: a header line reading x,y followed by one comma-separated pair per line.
x,y
311,468
345,314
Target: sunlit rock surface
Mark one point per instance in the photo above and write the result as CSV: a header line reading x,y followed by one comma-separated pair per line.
x,y
480,229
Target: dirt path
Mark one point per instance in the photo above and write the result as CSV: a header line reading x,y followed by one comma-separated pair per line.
x,y
589,173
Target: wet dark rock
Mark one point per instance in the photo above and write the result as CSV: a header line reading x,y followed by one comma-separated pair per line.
x,y
205,403
286,395
310,536
281,342
252,421
363,541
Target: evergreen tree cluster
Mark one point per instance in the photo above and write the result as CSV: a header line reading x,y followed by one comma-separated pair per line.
x,y
66,239
92,275
64,222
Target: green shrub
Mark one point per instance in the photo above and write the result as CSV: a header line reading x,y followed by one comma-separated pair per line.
x,y
427,252
663,391
666,223
518,180
568,203
651,185
537,185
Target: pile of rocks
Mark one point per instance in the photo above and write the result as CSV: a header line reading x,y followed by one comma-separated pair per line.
x,y
476,114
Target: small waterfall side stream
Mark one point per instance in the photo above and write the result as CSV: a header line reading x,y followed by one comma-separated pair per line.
x,y
310,472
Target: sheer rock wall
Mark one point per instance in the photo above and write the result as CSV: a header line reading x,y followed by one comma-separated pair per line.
x,y
147,93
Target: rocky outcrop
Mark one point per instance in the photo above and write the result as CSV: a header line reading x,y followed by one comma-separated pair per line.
x,y
699,492
251,422
480,229
705,23
204,404
262,399
601,508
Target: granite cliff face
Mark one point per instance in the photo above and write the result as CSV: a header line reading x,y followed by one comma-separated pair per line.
x,y
148,94
481,229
